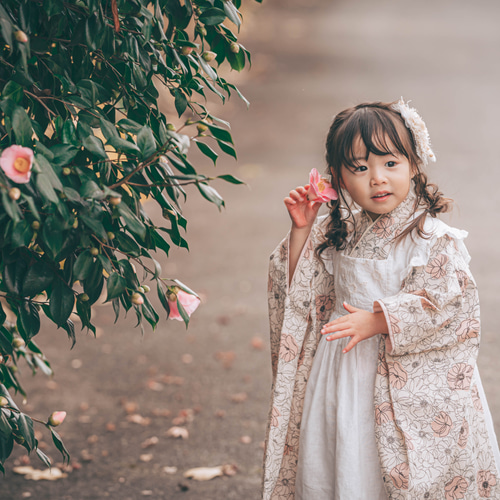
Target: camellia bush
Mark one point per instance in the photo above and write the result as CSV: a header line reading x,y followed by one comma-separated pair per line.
x,y
82,143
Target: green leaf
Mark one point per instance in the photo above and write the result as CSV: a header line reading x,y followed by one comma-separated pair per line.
x,y
46,169
21,125
5,428
26,430
13,91
95,225
220,133
91,189
180,102
146,142
212,16
60,445
53,235
116,286
209,71
232,12
130,126
44,458
108,129
38,278
207,151
95,146
62,300
124,146
83,265
63,154
28,320
210,194
132,222
10,207
227,148
230,178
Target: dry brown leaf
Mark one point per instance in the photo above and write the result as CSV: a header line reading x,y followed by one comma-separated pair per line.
x,y
187,359
171,380
177,432
153,385
38,475
93,439
220,413
170,470
110,427
226,358
207,473
239,397
86,456
245,439
153,440
257,343
146,457
138,419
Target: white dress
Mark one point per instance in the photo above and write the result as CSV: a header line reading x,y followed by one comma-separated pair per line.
x,y
338,458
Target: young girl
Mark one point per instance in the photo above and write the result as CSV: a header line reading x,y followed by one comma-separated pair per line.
x,y
374,319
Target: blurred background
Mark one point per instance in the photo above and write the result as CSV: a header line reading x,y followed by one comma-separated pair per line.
x,y
123,391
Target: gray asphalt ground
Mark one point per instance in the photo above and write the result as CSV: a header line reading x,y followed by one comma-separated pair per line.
x,y
311,59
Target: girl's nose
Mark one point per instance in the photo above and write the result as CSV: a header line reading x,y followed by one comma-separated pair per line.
x,y
378,177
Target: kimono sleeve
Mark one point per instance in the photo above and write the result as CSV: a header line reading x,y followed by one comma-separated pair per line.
x,y
437,306
295,297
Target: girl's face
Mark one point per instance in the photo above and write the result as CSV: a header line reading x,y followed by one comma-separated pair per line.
x,y
378,184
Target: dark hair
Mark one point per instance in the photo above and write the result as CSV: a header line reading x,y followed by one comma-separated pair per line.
x,y
382,131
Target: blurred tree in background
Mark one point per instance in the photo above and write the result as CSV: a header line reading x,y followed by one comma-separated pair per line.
x,y
82,142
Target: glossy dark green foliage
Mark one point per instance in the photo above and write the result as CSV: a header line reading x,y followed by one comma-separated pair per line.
x,y
79,85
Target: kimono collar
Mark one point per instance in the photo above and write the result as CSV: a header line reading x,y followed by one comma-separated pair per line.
x,y
374,238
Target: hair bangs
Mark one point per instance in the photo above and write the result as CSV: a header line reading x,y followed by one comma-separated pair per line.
x,y
374,132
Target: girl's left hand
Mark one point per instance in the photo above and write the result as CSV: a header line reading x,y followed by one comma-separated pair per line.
x,y
359,325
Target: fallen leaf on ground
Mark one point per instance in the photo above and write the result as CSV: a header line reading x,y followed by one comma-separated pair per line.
x,y
187,359
93,439
185,415
239,397
110,427
130,406
149,442
153,385
207,473
138,419
245,439
220,413
226,358
86,456
37,475
257,343
170,470
146,457
172,380
146,493
177,432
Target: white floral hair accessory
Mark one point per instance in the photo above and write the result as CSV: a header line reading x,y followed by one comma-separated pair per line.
x,y
418,130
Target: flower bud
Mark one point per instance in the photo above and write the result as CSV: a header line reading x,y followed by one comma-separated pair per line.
x,y
75,224
14,194
201,30
208,55
66,171
94,251
3,401
137,299
111,236
201,127
21,36
83,297
115,200
18,342
35,225
234,47
57,418
171,126
186,50
146,288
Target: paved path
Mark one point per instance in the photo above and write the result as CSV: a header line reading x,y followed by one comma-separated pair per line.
x,y
311,59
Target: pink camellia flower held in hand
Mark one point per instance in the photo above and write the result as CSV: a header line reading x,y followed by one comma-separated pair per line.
x,y
189,303
320,189
57,418
17,162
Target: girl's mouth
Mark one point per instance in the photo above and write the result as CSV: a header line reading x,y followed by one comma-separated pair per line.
x,y
381,196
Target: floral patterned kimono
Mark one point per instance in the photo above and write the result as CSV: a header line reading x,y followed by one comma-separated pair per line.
x,y
432,427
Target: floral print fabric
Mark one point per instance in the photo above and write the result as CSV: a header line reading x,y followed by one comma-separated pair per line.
x,y
430,423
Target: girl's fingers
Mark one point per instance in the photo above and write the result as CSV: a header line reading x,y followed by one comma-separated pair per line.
x,y
335,328
339,335
350,345
350,308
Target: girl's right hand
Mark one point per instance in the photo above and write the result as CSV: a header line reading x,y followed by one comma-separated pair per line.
x,y
302,211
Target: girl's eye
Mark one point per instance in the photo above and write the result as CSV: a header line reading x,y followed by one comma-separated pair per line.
x,y
361,168
390,164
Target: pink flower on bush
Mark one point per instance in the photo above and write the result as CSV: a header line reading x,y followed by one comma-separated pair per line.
x,y
189,303
17,162
57,418
320,189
